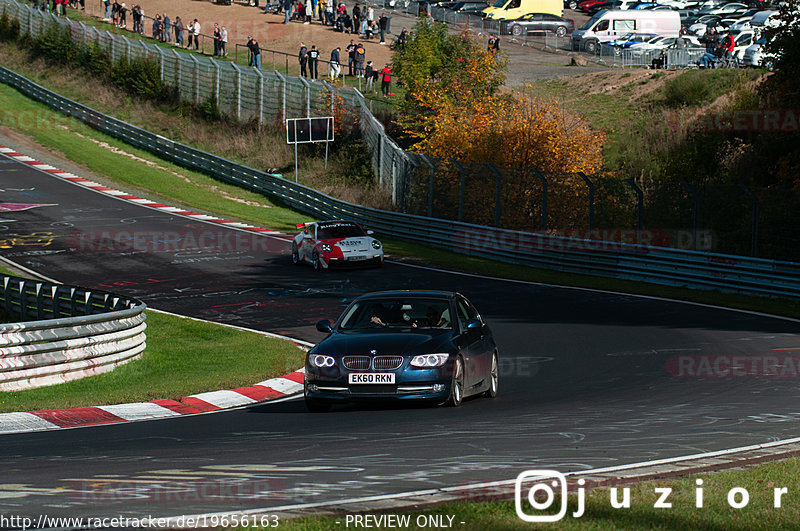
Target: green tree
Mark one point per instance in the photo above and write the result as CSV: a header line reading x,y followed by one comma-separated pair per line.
x,y
783,39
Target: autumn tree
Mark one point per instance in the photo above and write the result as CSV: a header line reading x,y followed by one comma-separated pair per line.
x,y
454,108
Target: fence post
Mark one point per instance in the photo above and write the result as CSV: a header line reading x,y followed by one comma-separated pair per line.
x,y
177,72
430,185
639,203
590,184
196,77
238,91
307,86
333,95
216,82
260,90
283,95
695,210
543,223
498,188
460,188
754,226
161,62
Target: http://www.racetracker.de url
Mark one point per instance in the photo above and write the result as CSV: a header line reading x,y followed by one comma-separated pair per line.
x,y
43,521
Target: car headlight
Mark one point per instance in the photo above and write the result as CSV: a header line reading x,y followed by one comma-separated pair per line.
x,y
376,244
320,360
427,361
326,247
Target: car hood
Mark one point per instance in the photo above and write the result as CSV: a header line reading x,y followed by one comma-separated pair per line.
x,y
386,342
360,243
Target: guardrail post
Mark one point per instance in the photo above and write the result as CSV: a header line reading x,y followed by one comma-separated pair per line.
x,y
543,223
754,226
460,188
497,190
23,299
695,210
639,203
590,184
238,92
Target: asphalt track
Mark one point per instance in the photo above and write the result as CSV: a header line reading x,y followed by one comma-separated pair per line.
x,y
584,376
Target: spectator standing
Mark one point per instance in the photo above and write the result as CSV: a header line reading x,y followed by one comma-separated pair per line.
x,y
190,32
223,42
370,16
178,31
106,10
123,14
157,28
351,57
309,11
167,31
386,80
329,13
402,38
356,18
370,74
383,23
361,56
335,67
217,36
322,5
313,60
287,9
494,44
115,12
196,34
302,57
255,52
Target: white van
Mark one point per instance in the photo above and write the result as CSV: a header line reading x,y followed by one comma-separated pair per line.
x,y
609,25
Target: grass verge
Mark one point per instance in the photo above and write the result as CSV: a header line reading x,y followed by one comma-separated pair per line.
x,y
183,357
716,511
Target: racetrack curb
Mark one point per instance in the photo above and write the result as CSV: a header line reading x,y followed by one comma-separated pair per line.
x,y
51,419
274,388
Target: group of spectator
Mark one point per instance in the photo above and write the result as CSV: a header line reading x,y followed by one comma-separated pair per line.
x,y
59,7
718,47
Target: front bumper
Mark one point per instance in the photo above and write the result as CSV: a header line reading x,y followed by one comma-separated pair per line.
x,y
343,263
418,384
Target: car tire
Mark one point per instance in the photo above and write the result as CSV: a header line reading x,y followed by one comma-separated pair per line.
x,y
494,378
573,5
295,255
315,261
561,32
516,31
317,406
590,47
457,384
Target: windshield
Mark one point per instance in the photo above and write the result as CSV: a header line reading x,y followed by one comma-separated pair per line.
x,y
499,3
762,41
398,313
340,230
591,22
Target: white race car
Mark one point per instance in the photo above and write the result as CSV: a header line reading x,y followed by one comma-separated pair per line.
x,y
326,244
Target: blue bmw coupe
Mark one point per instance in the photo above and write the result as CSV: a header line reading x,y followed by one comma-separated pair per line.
x,y
407,345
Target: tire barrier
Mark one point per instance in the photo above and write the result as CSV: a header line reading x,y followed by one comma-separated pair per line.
x,y
64,333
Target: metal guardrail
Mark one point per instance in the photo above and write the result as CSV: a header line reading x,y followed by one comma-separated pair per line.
x,y
76,333
672,267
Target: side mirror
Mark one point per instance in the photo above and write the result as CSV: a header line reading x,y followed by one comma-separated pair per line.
x,y
370,232
324,326
307,235
473,325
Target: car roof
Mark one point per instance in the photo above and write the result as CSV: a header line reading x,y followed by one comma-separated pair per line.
x,y
427,294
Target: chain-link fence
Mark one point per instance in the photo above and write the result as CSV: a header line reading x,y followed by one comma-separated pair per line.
x,y
717,218
649,58
244,93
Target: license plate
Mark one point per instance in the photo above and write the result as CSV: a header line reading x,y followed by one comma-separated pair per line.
x,y
354,258
371,378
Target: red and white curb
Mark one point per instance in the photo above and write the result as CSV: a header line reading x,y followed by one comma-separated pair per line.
x,y
19,157
271,389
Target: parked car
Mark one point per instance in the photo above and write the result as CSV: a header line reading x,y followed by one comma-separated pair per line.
x,y
469,7
537,24
726,10
513,9
755,56
403,345
586,5
609,25
662,43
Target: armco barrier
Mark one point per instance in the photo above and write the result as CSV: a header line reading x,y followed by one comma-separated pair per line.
x,y
593,257
77,333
